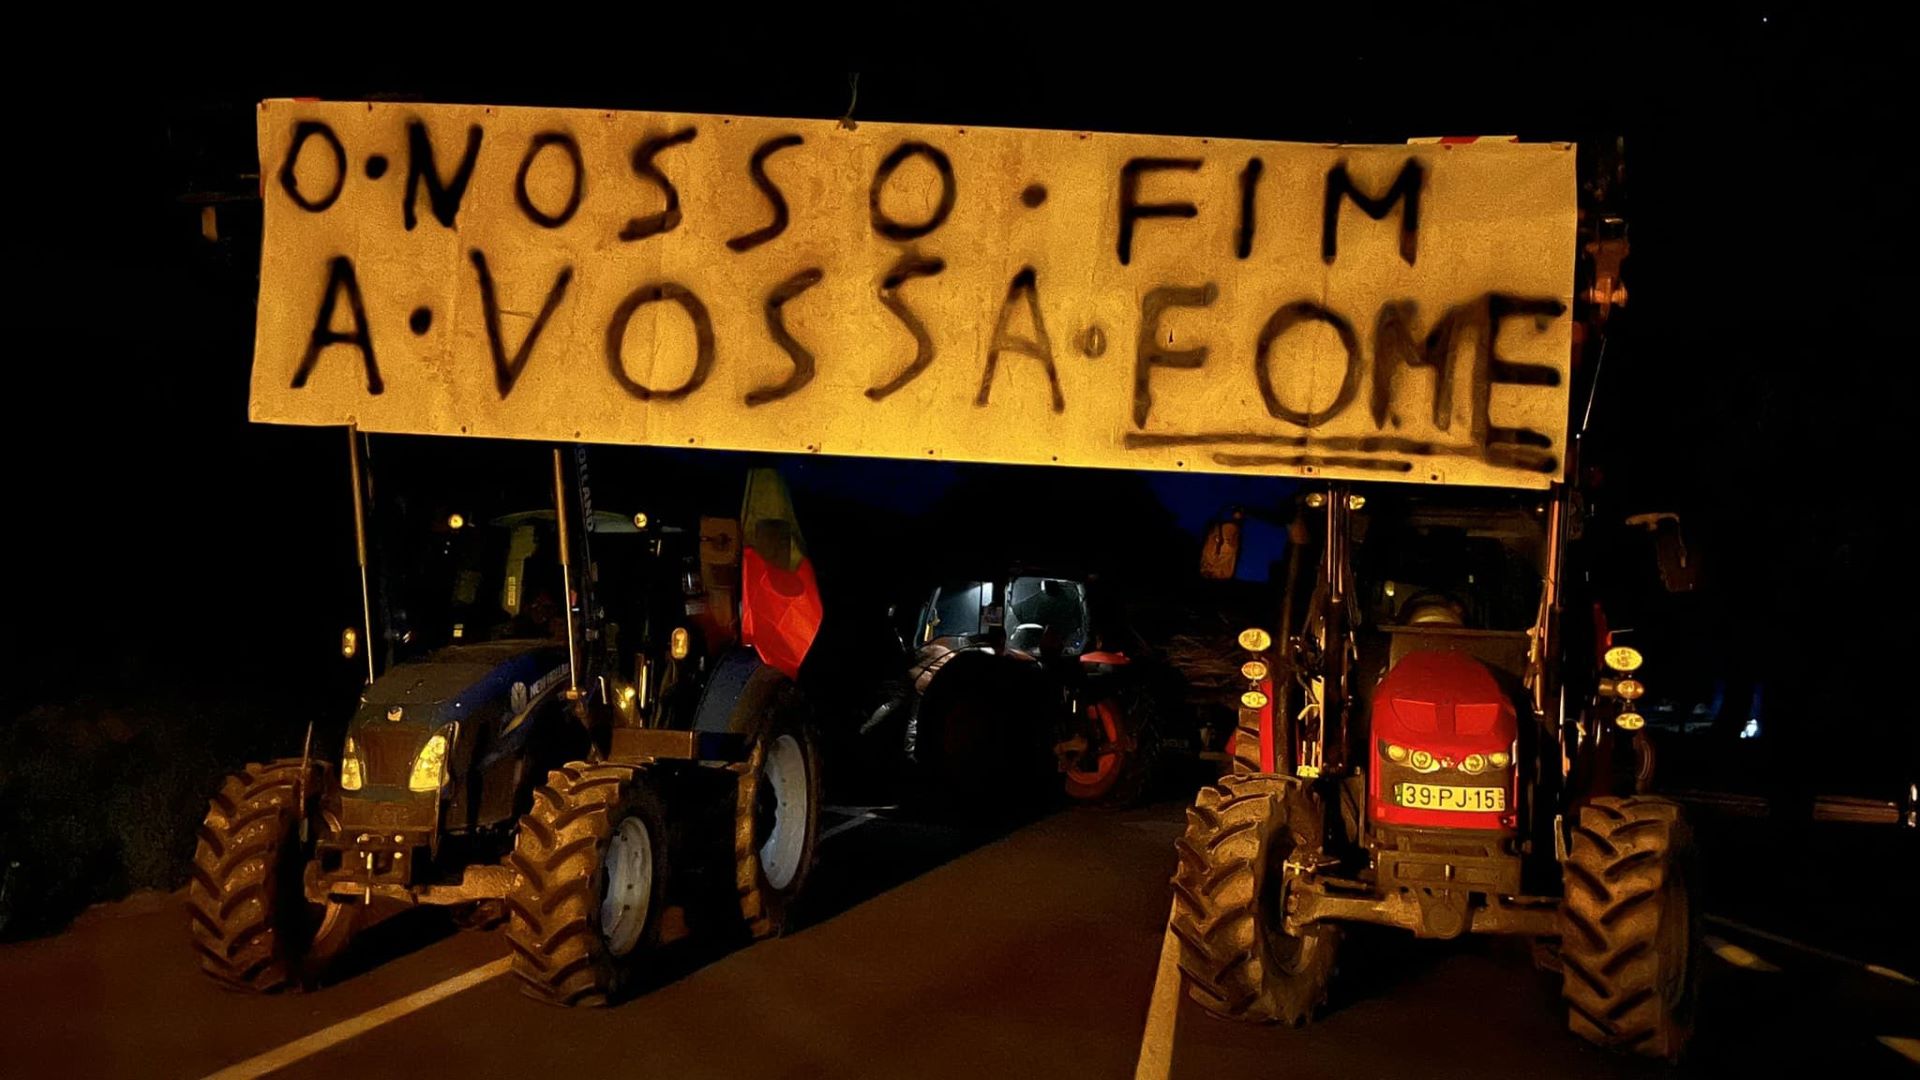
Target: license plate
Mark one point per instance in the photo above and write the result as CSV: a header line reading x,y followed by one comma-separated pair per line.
x,y
1446,797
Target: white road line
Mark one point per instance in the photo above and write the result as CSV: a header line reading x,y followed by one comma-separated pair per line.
x,y
328,1037
1903,1045
1735,955
1813,950
853,823
1156,1042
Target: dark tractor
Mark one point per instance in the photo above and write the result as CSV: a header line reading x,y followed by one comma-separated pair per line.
x,y
1011,682
515,651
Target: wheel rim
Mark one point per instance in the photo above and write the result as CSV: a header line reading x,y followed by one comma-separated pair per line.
x,y
1099,769
629,886
784,778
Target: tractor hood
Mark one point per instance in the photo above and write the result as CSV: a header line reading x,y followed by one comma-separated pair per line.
x,y
1445,702
491,687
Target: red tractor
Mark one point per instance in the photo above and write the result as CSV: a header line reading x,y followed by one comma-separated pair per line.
x,y
1425,743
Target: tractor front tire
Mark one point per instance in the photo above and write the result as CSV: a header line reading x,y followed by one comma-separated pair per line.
x,y
1628,937
1239,963
776,823
589,883
248,912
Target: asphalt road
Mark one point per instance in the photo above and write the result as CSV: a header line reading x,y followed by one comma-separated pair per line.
x,y
922,953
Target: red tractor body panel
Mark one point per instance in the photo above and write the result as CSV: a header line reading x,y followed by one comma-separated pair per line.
x,y
1443,708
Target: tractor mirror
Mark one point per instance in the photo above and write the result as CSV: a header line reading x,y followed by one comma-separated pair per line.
x,y
1220,551
1679,568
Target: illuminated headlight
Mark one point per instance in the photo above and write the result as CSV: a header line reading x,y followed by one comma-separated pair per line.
x,y
352,775
456,522
349,643
1499,759
1630,721
1474,763
1422,761
430,766
1629,689
1396,753
677,643
1254,670
1253,699
640,521
1254,639
1623,659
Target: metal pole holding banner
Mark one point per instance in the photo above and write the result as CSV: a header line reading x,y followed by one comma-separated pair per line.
x,y
360,546
566,574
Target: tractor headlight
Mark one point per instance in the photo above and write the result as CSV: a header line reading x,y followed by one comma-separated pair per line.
x,y
1624,659
1630,721
430,765
1253,699
352,775
1254,670
1499,759
1629,689
678,643
1254,639
1474,763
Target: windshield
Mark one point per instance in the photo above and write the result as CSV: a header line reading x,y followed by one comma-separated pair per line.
x,y
1045,614
1442,567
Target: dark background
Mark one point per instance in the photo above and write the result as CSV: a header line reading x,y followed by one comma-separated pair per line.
x,y
179,577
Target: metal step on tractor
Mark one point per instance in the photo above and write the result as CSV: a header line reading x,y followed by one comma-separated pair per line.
x,y
533,676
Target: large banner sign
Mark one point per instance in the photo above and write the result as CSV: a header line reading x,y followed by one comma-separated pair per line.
x,y
911,291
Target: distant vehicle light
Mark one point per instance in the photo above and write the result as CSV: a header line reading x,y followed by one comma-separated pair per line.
x,y
349,643
1630,689
678,643
1254,670
640,521
1623,658
1253,699
1630,721
1254,639
456,521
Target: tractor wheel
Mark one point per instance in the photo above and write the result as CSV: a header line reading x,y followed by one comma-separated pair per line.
x,y
1227,908
1246,744
1121,770
589,883
776,822
1627,930
247,908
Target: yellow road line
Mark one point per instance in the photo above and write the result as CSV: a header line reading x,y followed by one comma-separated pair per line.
x,y
1903,1045
328,1037
1735,955
1812,950
1156,1042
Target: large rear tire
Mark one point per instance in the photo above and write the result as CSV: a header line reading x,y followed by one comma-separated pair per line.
x,y
589,884
1227,905
1628,936
248,912
776,824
